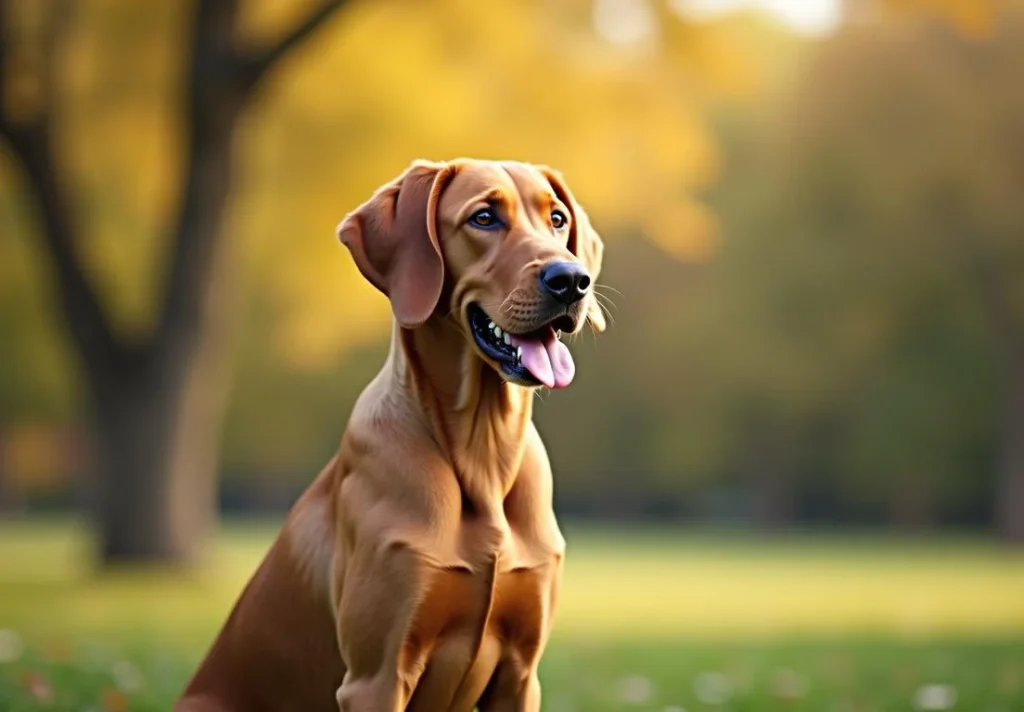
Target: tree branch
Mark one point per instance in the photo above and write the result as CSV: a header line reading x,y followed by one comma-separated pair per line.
x,y
31,142
256,66
212,103
991,282
5,125
985,271
219,80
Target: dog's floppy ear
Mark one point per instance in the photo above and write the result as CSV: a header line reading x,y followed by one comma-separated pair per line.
x,y
393,240
584,242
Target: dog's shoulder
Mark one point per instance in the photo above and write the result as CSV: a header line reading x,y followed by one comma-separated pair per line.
x,y
310,531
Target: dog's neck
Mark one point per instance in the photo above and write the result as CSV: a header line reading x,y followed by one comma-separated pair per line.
x,y
476,417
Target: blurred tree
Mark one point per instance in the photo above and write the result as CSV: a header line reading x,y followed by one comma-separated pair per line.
x,y
156,399
976,18
896,202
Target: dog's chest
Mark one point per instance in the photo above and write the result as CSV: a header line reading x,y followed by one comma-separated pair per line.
x,y
496,604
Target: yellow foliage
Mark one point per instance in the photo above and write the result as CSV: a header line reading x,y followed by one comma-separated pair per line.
x,y
688,231
33,456
975,18
380,84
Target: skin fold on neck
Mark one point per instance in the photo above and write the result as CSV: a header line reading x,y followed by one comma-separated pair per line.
x,y
478,419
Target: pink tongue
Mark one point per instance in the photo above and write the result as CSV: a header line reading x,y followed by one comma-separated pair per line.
x,y
547,358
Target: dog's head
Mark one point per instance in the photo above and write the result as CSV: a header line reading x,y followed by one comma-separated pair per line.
x,y
502,247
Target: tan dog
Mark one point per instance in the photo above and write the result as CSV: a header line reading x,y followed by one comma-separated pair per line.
x,y
420,570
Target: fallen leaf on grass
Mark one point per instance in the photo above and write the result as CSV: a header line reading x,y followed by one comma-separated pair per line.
x,y
38,686
114,700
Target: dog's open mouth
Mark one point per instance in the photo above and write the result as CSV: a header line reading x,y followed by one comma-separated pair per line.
x,y
532,359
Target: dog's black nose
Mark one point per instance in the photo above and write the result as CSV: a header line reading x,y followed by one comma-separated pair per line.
x,y
567,282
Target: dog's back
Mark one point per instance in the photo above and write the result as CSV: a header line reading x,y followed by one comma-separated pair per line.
x,y
277,650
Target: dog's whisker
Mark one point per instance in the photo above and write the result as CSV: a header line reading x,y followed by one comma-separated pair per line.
x,y
606,306
604,299
608,286
493,308
606,311
507,304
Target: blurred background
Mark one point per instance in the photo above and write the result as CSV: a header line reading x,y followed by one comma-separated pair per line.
x,y
792,471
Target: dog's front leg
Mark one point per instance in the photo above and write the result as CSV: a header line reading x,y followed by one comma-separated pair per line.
x,y
371,694
376,607
512,689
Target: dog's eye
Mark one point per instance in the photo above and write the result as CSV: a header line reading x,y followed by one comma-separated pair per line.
x,y
485,219
558,219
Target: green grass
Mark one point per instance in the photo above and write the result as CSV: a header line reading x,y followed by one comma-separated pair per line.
x,y
648,620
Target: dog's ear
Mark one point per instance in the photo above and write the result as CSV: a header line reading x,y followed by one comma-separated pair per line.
x,y
584,242
393,240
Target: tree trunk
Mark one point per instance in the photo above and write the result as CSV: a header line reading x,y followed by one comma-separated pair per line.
x,y
773,486
774,495
1010,485
135,435
912,505
157,433
159,422
8,497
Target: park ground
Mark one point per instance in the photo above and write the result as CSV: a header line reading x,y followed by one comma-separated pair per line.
x,y
660,620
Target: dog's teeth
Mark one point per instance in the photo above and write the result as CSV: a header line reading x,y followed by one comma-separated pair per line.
x,y
497,331
519,353
490,325
508,339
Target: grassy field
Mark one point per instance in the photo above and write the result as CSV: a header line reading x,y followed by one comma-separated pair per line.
x,y
648,620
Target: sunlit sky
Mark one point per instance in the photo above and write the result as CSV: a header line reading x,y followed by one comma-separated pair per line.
x,y
813,16
626,21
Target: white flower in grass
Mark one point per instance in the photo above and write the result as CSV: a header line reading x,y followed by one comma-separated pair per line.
x,y
788,685
741,677
127,677
935,697
11,646
635,690
712,688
